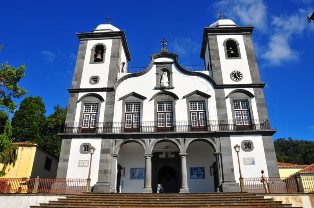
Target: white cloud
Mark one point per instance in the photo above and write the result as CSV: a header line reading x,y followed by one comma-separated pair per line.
x,y
185,46
248,12
285,28
48,55
279,50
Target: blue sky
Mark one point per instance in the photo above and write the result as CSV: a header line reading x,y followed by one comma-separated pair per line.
x,y
42,35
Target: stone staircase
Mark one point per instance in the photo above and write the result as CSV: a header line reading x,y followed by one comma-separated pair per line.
x,y
213,200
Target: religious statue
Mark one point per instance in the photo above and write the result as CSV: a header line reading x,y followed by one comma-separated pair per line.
x,y
164,81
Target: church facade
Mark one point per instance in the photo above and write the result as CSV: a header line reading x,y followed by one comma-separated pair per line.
x,y
167,125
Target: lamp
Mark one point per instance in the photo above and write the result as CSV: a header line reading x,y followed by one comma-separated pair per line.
x,y
237,149
91,152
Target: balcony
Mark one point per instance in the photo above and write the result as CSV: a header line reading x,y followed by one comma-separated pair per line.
x,y
177,127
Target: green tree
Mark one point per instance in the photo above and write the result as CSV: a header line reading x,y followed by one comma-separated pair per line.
x,y
8,150
9,88
29,120
54,125
294,151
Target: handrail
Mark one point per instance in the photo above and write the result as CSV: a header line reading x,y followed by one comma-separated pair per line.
x,y
153,126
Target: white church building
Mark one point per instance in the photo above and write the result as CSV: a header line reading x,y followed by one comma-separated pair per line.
x,y
166,124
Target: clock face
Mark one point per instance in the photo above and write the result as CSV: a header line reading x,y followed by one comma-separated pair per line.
x,y
236,75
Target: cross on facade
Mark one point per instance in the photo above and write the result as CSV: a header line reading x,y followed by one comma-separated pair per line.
x,y
220,14
108,20
164,45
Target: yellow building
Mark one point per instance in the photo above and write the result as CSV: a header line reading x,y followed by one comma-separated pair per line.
x,y
288,169
31,162
299,178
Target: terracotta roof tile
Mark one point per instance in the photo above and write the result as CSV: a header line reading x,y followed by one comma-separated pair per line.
x,y
308,169
290,165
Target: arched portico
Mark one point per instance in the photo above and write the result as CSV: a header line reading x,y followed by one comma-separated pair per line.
x,y
202,166
166,165
166,161
128,167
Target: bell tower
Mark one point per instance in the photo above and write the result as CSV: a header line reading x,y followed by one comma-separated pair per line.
x,y
102,55
228,53
229,56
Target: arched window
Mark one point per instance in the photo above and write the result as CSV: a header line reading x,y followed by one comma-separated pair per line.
x,y
98,53
232,50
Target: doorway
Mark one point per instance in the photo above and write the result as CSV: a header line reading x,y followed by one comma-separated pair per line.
x,y
167,176
166,167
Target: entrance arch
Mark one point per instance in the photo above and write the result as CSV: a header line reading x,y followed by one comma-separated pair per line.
x,y
132,167
202,168
168,177
166,166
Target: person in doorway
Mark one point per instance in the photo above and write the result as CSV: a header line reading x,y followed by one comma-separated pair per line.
x,y
159,188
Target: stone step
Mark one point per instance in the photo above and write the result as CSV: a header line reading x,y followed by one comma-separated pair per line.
x,y
175,205
212,200
162,198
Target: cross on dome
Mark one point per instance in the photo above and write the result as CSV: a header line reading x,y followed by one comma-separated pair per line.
x,y
220,14
108,20
164,43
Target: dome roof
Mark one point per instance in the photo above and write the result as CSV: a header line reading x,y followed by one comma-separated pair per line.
x,y
106,28
223,23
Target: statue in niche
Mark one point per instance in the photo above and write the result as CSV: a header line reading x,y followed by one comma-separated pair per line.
x,y
164,81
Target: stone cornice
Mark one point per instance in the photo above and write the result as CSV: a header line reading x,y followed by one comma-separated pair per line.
x,y
103,89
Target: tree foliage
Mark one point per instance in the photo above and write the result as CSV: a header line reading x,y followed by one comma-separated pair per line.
x,y
9,88
8,150
29,120
54,125
31,124
294,151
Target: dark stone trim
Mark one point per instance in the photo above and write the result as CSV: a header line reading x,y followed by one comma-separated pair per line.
x,y
270,155
164,92
214,59
221,106
241,91
64,157
228,167
91,95
162,88
225,86
197,92
222,31
102,89
260,104
109,35
134,94
156,135
166,55
250,53
77,77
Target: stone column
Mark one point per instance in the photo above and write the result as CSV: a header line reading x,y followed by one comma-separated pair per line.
x,y
184,176
114,167
148,174
218,161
